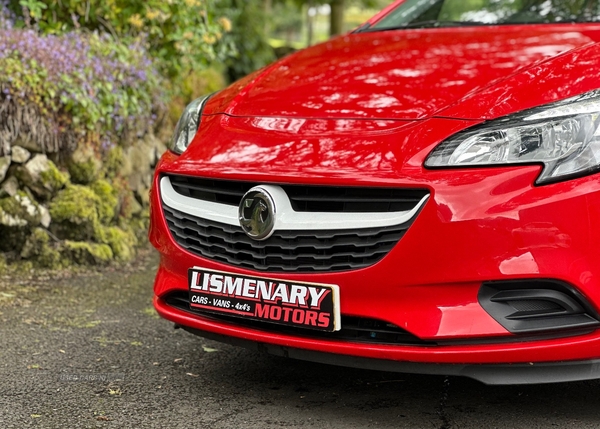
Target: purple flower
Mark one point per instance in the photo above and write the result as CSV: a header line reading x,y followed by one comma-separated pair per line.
x,y
81,70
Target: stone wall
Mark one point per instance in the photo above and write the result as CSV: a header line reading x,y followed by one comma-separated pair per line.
x,y
84,206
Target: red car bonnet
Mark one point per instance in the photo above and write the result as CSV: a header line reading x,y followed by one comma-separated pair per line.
x,y
415,74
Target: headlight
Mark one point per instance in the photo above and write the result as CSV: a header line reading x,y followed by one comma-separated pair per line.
x,y
188,124
563,136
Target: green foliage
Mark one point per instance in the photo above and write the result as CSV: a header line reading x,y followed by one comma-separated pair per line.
x,y
201,82
249,23
287,17
34,7
183,35
377,4
100,89
192,86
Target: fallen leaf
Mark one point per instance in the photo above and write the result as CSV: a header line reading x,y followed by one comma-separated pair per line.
x,y
209,350
116,391
192,375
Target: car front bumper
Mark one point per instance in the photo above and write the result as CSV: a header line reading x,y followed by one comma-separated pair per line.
x,y
478,226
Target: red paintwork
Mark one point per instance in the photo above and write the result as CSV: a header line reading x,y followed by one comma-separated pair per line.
x,y
575,348
307,120
415,74
495,214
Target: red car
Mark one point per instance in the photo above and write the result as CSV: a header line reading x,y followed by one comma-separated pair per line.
x,y
421,195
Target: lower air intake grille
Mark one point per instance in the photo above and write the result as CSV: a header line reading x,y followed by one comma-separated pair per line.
x,y
355,329
537,305
284,251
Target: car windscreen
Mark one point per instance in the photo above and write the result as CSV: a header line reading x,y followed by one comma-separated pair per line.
x,y
445,13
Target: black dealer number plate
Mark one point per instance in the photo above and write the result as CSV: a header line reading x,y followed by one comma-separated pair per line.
x,y
292,303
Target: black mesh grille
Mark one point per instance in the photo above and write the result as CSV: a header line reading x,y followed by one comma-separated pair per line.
x,y
218,191
285,250
355,329
299,251
352,200
305,198
535,306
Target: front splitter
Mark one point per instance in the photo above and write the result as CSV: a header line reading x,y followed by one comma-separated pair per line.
x,y
493,374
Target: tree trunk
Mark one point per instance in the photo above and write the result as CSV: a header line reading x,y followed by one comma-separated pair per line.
x,y
336,19
268,8
310,23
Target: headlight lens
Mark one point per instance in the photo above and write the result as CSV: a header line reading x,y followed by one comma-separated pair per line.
x,y
188,124
564,137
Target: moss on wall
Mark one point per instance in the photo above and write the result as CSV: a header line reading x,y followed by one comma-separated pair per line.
x,y
107,209
53,179
84,166
18,215
121,241
75,213
92,214
42,250
86,253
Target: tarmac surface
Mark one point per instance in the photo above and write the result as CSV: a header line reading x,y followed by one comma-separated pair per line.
x,y
87,350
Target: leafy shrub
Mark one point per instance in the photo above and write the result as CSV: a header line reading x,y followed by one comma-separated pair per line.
x,y
100,89
192,86
182,34
249,23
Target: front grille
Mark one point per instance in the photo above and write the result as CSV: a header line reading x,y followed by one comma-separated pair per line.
x,y
354,329
217,191
335,199
284,251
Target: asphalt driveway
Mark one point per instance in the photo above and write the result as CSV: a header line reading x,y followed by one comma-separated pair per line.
x,y
86,350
